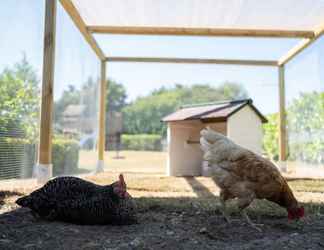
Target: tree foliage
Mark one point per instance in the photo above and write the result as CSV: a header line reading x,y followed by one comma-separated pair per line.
x,y
270,137
19,100
143,116
116,96
88,96
305,127
70,96
305,117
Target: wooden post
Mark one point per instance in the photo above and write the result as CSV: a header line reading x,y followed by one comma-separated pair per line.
x,y
102,119
44,168
282,116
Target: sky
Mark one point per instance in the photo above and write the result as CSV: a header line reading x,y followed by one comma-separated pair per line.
x,y
75,61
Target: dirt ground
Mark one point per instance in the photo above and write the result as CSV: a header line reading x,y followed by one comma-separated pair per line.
x,y
174,213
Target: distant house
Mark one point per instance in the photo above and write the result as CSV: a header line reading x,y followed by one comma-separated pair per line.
x,y
75,121
239,120
114,128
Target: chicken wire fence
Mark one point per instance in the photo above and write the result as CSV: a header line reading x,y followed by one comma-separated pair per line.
x,y
21,52
142,145
76,100
75,118
305,111
134,129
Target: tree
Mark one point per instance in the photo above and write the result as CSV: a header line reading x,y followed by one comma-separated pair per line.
x,y
69,96
270,137
305,117
88,96
116,96
19,100
143,116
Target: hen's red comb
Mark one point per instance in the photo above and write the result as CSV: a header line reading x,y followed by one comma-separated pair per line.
x,y
122,180
296,214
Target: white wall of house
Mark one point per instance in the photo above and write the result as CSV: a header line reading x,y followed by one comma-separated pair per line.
x,y
245,128
186,159
183,159
220,127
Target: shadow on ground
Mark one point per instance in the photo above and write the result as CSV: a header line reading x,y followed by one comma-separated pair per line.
x,y
166,223
199,189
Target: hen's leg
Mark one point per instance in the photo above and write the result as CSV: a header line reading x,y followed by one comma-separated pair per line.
x,y
244,202
224,196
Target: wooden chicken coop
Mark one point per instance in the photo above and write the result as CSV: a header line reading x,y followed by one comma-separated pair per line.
x,y
262,19
239,120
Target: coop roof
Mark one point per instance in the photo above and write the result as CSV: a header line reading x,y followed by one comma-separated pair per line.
x,y
212,112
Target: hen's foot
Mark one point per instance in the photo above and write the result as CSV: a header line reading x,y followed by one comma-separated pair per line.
x,y
253,225
227,218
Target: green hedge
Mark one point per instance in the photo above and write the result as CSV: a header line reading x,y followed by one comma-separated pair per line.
x,y
145,142
18,157
65,156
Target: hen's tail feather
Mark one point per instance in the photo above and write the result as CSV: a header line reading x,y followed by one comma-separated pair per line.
x,y
24,201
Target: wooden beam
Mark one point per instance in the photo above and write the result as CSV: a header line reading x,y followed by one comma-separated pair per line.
x,y
174,31
282,116
300,47
102,113
77,19
193,142
45,140
192,61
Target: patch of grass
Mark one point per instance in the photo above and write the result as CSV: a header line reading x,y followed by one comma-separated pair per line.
x,y
307,185
178,204
144,182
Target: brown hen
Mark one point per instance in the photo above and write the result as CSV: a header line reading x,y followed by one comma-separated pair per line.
x,y
242,174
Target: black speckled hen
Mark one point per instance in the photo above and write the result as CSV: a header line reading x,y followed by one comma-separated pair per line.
x,y
75,200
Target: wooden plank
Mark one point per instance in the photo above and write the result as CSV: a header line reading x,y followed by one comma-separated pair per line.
x,y
77,19
45,140
174,31
282,116
294,51
192,61
300,47
102,113
193,142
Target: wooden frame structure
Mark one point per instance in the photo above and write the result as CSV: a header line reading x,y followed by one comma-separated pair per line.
x,y
168,31
102,118
44,167
192,61
309,36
